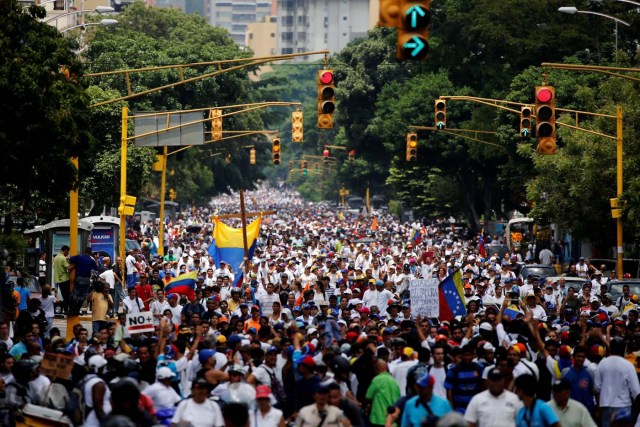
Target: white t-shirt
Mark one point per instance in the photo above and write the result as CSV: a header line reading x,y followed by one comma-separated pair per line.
x,y
109,277
270,419
132,306
439,375
487,410
205,414
163,396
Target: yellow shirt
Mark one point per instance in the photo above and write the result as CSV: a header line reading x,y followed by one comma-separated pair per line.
x,y
60,273
100,306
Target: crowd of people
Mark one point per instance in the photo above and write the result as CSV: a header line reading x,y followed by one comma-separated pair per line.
x,y
321,332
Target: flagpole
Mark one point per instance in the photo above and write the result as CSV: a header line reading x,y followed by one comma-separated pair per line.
x,y
244,235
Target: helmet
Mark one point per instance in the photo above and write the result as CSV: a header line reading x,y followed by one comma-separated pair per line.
x,y
96,362
130,365
23,369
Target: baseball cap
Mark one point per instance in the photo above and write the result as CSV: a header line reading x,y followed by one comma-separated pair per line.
x,y
425,381
263,392
205,354
164,373
561,385
495,374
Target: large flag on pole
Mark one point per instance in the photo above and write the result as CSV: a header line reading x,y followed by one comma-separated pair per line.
x,y
228,245
184,284
451,293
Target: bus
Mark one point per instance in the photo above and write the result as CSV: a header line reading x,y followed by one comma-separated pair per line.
x,y
521,232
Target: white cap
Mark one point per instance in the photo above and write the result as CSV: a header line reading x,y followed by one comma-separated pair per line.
x,y
311,331
165,373
489,347
96,362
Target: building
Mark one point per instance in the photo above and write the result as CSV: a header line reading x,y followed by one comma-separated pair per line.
x,y
310,25
236,15
261,38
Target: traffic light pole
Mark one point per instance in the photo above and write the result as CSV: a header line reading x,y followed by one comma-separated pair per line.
x,y
458,132
163,182
619,151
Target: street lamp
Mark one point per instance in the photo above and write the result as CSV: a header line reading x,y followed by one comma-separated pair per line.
x,y
99,9
104,22
572,11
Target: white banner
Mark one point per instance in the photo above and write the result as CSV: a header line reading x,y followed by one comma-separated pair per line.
x,y
425,301
138,323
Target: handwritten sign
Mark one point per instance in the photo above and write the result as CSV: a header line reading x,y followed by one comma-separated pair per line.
x,y
138,323
56,365
425,301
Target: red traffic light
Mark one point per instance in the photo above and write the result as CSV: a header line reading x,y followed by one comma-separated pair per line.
x,y
326,77
544,95
325,153
352,152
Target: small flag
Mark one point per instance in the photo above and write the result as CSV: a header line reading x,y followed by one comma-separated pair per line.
x,y
481,247
451,293
184,284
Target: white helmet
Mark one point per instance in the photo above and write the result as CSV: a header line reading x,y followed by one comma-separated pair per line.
x,y
97,362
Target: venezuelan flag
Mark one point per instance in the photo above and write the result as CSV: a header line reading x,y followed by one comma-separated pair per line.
x,y
481,249
451,294
184,284
416,237
227,245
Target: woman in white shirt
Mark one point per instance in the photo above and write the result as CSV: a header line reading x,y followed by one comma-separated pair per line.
x,y
198,410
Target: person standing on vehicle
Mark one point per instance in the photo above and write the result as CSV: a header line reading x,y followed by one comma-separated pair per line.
x,y
61,276
131,269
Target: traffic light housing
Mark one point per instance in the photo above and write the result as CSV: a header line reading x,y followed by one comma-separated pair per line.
x,y
412,147
525,121
352,155
546,119
216,124
305,164
252,156
413,32
325,156
172,194
127,205
326,99
441,113
316,168
275,150
296,126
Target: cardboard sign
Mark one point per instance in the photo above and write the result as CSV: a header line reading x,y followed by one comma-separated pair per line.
x,y
425,300
138,323
56,365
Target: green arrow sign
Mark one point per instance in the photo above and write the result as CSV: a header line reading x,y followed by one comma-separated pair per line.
x,y
526,132
440,125
416,45
414,12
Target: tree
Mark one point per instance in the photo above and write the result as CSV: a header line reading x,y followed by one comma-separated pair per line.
x,y
44,121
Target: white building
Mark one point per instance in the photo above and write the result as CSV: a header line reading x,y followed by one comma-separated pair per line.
x,y
309,25
235,15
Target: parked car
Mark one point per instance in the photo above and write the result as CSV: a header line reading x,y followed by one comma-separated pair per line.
x,y
131,244
539,270
615,287
574,281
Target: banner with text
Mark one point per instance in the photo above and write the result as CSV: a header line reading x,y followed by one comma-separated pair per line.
x,y
424,297
138,323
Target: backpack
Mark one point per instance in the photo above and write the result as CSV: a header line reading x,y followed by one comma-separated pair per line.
x,y
276,387
76,408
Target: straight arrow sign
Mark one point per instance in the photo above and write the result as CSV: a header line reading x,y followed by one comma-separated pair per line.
x,y
414,12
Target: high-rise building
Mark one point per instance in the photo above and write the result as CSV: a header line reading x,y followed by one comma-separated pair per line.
x,y
261,38
308,25
235,15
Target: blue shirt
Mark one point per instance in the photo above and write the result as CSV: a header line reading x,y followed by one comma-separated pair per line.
x,y
581,386
542,415
84,264
464,381
24,297
415,411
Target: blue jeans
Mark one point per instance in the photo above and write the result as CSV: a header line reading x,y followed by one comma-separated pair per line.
x,y
607,412
131,280
79,294
117,294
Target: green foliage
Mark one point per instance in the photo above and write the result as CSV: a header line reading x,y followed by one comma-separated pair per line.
x,y
44,121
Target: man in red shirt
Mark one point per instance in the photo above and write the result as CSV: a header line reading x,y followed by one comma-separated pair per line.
x,y
145,291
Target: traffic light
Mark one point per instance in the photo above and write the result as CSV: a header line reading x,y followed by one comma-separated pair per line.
x,y
316,168
389,11
326,99
291,168
172,194
352,154
441,113
296,126
127,205
304,167
525,122
158,165
413,33
216,124
275,150
252,156
325,156
412,147
546,119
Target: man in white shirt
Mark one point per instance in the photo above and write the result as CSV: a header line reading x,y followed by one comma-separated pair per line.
x,y
616,382
159,306
161,392
494,407
370,297
132,270
133,304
